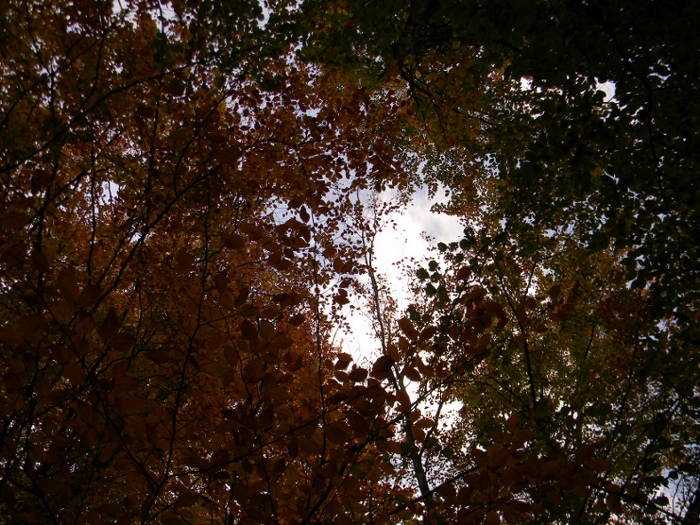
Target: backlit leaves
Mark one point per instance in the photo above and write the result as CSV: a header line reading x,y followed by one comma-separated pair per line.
x,y
158,306
184,200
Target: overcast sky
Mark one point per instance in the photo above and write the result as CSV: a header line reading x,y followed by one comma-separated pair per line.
x,y
393,245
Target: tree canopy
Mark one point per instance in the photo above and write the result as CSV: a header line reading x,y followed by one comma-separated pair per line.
x,y
188,204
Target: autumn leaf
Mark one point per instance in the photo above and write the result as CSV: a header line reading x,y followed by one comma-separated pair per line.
x,y
190,200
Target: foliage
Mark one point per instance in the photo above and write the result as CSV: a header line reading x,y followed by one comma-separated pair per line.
x,y
184,203
169,244
581,219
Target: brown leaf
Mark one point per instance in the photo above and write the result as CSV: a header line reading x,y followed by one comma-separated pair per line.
x,y
341,298
382,367
448,493
122,342
587,451
187,499
513,422
14,220
344,357
309,445
598,464
407,328
523,435
554,292
67,282
359,425
219,458
281,341
463,273
418,434
358,374
74,374
404,401
540,328
412,374
233,241
338,432
249,330
266,330
173,520
554,497
297,320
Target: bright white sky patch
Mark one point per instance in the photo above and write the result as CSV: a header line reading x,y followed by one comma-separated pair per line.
x,y
608,88
393,245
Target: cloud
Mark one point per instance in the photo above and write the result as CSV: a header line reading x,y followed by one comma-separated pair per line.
x,y
402,239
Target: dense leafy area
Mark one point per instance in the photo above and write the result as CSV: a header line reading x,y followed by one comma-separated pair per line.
x,y
186,209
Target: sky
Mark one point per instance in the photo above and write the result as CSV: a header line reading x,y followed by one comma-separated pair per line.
x,y
403,240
